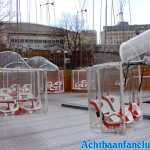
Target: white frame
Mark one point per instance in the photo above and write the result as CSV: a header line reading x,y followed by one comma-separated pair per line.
x,y
78,88
60,73
41,99
95,71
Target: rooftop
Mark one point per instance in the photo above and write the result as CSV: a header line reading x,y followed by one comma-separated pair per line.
x,y
124,26
30,28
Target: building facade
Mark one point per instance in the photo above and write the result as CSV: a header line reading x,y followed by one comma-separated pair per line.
x,y
111,39
115,35
50,42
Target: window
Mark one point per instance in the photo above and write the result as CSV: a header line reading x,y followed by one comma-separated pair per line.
x,y
35,41
53,41
61,42
22,40
30,41
38,41
49,41
12,40
44,41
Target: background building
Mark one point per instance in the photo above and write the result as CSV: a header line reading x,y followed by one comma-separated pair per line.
x,y
115,35
50,42
112,37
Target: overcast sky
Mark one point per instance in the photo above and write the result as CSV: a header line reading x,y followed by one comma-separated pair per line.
x,y
139,11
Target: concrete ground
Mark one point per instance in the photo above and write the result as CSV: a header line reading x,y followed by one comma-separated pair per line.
x,y
61,128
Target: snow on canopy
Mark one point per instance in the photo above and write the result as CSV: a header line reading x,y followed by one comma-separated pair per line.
x,y
9,59
41,62
136,48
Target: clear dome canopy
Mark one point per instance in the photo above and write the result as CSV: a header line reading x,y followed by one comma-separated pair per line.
x,y
136,48
43,63
9,59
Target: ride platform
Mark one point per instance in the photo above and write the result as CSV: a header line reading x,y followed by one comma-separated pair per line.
x,y
62,128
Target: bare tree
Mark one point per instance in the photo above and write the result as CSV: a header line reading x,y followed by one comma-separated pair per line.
x,y
75,40
6,10
6,15
72,26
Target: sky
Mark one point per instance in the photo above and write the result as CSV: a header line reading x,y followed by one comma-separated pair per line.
x,y
31,11
139,10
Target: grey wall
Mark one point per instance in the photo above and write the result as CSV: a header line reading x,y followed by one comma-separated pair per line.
x,y
103,57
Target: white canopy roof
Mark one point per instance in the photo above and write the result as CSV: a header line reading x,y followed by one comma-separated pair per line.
x,y
136,48
42,63
9,59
